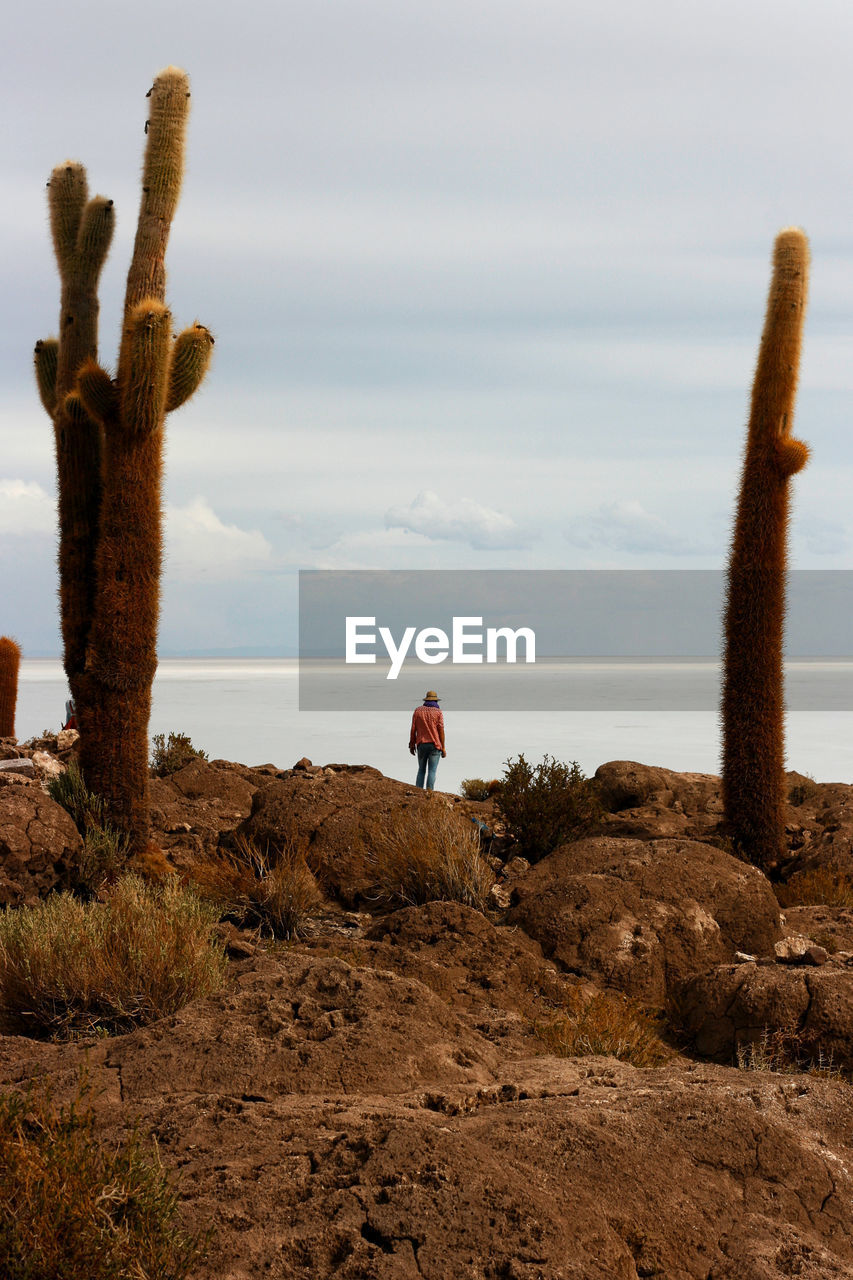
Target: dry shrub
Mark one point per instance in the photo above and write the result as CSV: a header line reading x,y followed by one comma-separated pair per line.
x,y
272,890
605,1024
479,789
72,1207
788,1050
68,966
803,792
425,854
547,804
823,887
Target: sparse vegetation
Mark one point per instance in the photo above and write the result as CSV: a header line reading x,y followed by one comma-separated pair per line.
x,y
547,804
68,967
803,792
72,1207
608,1024
170,754
788,1050
273,890
105,850
478,788
822,887
425,854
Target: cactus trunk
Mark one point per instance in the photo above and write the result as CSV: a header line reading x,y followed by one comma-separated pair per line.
x,y
753,699
10,661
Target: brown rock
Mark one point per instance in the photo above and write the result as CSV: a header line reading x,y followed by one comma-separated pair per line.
x,y
731,1006
644,916
332,813
194,807
39,844
22,767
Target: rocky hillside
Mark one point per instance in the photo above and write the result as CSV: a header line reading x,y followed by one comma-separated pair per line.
x,y
387,1097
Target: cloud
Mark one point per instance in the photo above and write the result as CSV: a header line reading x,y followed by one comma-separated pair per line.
x,y
461,521
823,537
199,544
627,526
26,509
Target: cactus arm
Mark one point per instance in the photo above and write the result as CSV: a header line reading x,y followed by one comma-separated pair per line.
x,y
144,368
93,241
82,230
67,194
753,701
190,359
161,186
98,393
791,455
45,359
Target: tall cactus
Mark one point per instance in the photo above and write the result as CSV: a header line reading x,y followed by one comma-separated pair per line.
x,y
155,374
753,703
10,661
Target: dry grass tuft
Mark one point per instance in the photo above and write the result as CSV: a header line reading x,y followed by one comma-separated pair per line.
x,y
479,789
789,1051
425,853
822,887
68,967
605,1024
72,1208
273,890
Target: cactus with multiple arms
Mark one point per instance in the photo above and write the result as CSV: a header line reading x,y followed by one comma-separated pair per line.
x,y
753,703
10,661
126,416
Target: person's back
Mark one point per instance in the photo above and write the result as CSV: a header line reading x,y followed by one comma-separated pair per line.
x,y
426,738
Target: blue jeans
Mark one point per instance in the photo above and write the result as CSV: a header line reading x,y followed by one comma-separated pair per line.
x,y
428,758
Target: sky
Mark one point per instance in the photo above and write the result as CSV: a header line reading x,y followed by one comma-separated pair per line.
x,y
487,282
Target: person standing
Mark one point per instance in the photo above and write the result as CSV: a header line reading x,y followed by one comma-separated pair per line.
x,y
427,739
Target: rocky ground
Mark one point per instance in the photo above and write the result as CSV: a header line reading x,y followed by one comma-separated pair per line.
x,y
377,1099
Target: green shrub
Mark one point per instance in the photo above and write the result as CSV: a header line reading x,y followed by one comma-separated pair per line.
x,y
105,850
171,754
68,966
72,1208
545,805
478,788
425,853
273,890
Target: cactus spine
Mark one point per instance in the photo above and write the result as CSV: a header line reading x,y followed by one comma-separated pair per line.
x,y
10,661
753,704
126,416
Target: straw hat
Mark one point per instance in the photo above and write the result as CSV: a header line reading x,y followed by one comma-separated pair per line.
x,y
431,696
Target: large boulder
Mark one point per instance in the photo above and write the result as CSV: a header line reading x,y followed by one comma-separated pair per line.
x,y
643,916
795,1012
192,808
644,800
39,844
333,811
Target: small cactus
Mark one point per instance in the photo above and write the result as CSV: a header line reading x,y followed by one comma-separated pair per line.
x,y
753,702
10,661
